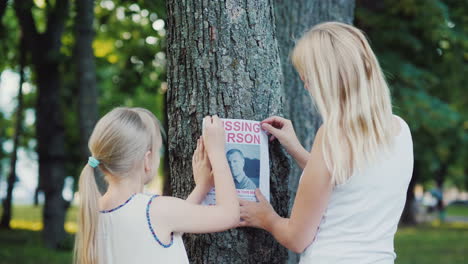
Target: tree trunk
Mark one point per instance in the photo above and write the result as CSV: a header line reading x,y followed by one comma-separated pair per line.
x,y
50,131
440,179
86,77
408,217
223,59
6,215
51,151
293,18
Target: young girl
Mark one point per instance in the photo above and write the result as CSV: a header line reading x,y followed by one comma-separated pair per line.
x,y
126,226
353,187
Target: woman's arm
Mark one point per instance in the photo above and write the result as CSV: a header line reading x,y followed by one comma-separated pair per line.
x,y
177,215
283,130
298,231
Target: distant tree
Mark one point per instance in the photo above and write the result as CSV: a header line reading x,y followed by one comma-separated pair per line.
x,y
86,72
44,48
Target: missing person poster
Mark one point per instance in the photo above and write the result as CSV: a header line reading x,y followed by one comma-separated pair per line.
x,y
247,155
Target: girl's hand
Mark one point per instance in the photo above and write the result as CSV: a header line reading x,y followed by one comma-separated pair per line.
x,y
201,166
213,137
283,130
257,214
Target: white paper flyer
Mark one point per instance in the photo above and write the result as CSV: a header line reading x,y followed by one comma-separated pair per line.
x,y
247,155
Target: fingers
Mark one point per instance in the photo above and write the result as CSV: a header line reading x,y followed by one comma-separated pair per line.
x,y
243,224
202,147
209,120
243,202
244,214
215,119
276,121
261,198
270,129
195,153
272,119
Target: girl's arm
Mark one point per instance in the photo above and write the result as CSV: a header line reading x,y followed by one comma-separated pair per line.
x,y
283,130
202,174
298,231
198,194
176,215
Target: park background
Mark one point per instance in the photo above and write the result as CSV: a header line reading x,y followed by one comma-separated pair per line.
x,y
77,59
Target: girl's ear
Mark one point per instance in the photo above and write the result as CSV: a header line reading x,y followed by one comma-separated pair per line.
x,y
148,160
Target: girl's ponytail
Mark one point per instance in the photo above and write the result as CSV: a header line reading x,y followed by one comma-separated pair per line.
x,y
85,244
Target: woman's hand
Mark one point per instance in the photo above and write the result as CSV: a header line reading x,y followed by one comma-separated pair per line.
x,y
257,214
283,130
213,137
201,166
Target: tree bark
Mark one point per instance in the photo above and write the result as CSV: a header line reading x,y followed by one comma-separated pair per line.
x,y
45,51
165,164
223,59
293,18
86,77
7,202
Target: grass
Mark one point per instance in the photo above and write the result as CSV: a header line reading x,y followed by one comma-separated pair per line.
x,y
30,218
430,244
457,210
425,244
25,247
24,244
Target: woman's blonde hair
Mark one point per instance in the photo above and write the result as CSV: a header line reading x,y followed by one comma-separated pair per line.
x,y
344,77
120,141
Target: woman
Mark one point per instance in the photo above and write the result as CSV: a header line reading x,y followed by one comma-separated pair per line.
x,y
353,187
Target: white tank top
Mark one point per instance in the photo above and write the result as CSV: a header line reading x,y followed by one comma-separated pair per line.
x,y
125,235
361,219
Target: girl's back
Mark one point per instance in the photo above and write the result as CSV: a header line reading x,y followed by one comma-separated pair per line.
x,y
361,219
125,235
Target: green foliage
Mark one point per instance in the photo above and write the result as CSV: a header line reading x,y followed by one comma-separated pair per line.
x,y
9,39
130,63
130,47
422,47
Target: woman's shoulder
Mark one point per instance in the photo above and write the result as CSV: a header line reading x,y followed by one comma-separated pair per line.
x,y
400,125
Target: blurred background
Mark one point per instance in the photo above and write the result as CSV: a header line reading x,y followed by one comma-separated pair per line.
x,y
64,63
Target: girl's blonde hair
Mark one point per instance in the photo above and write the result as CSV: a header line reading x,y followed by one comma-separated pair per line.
x,y
119,142
343,75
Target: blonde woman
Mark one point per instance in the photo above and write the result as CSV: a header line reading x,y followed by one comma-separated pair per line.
x,y
126,226
353,187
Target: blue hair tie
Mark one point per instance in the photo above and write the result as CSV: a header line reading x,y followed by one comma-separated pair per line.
x,y
93,162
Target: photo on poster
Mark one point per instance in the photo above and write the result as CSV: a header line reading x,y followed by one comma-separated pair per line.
x,y
244,163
